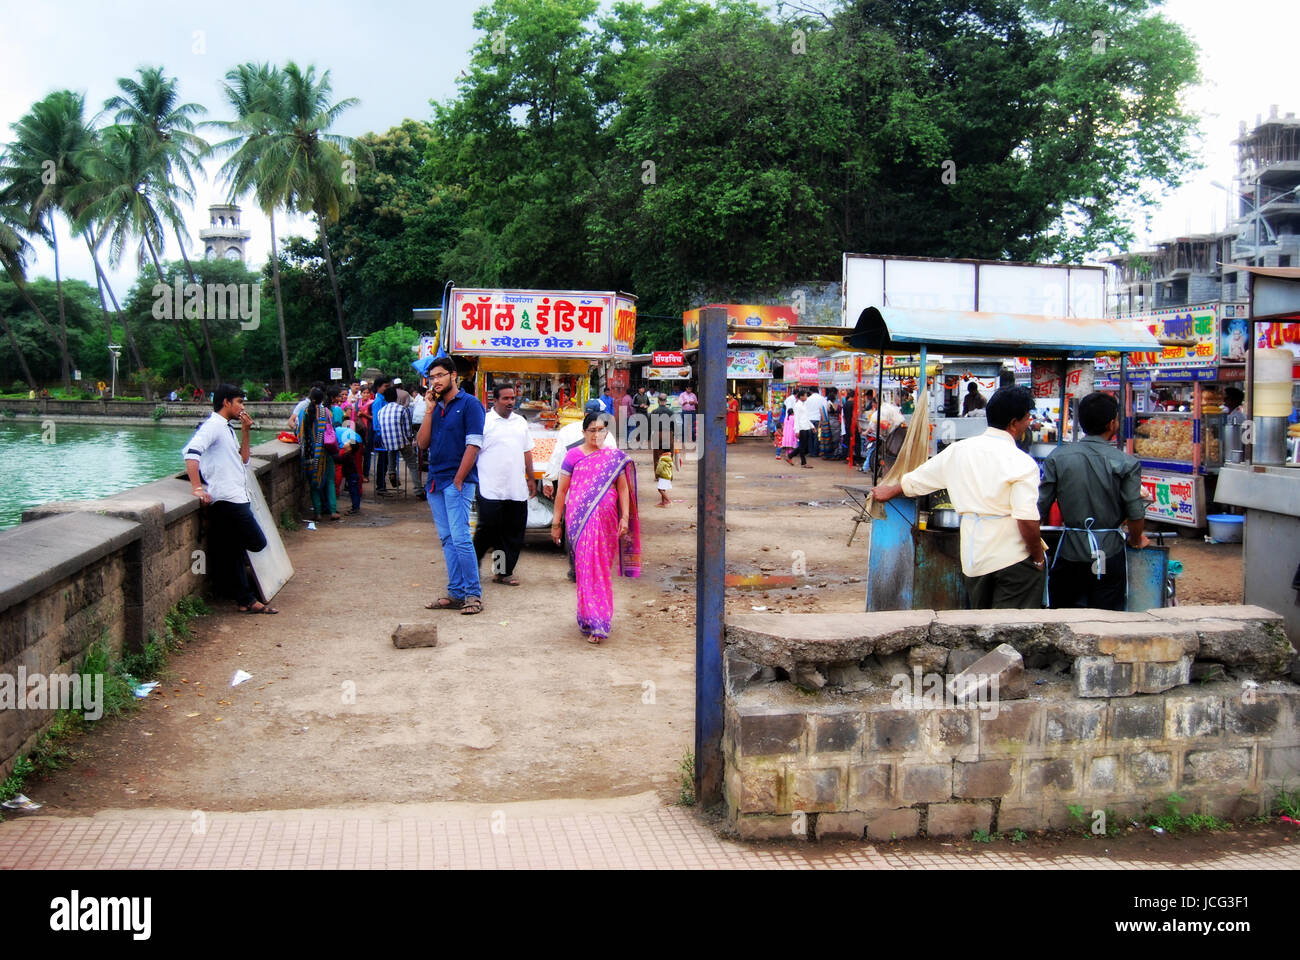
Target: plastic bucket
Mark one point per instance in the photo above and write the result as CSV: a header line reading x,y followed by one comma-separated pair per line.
x,y
1226,527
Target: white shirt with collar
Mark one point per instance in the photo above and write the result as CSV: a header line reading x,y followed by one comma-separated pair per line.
x,y
217,449
992,484
501,460
816,404
802,421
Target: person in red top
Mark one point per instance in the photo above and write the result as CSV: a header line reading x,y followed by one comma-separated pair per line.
x,y
364,420
733,419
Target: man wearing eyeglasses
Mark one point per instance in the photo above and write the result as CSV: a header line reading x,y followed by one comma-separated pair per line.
x,y
452,432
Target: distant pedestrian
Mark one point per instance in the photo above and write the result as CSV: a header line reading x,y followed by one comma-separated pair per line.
x,y
505,470
349,443
973,399
452,432
733,418
393,424
217,466
805,428
315,434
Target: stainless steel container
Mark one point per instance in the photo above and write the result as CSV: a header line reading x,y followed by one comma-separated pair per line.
x,y
1233,451
1270,440
945,518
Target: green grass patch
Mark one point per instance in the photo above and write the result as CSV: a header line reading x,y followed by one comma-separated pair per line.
x,y
1286,803
287,522
686,772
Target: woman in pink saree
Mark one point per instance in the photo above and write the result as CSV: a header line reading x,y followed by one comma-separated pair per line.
x,y
597,499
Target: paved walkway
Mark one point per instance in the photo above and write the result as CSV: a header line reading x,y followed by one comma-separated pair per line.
x,y
629,833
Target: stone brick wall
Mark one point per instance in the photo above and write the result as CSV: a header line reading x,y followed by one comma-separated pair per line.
x,y
854,759
74,571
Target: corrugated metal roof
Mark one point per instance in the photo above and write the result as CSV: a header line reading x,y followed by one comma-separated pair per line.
x,y
997,334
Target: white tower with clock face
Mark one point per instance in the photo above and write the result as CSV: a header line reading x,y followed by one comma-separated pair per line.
x,y
224,238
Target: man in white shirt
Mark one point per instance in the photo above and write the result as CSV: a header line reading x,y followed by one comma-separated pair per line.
x,y
803,423
505,476
216,466
994,486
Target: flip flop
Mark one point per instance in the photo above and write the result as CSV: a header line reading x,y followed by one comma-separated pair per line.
x,y
445,603
504,581
264,608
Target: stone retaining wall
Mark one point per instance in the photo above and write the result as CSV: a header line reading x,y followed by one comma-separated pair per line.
x,y
269,415
74,571
870,752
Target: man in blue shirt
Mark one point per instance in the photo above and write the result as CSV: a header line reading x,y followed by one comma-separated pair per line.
x,y
452,432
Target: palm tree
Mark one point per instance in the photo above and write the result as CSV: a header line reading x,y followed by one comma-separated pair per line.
x,y
254,93
122,192
151,107
40,165
13,250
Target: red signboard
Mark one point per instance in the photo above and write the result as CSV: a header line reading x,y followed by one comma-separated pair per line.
x,y
668,359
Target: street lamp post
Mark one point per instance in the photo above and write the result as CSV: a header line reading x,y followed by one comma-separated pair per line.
x,y
356,359
114,351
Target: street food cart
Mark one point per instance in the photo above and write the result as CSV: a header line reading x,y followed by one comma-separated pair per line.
x,y
1267,485
913,564
754,333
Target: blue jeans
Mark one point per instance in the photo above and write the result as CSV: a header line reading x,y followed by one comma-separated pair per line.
x,y
450,508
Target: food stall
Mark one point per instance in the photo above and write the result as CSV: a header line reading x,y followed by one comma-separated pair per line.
x,y
754,333
912,564
1268,485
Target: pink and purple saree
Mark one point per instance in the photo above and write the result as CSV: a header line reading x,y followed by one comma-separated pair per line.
x,y
591,513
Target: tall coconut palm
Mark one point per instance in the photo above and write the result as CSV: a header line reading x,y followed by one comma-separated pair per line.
x,y
40,165
254,93
151,106
123,193
13,251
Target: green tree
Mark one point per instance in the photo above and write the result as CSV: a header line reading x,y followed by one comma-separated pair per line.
x,y
391,349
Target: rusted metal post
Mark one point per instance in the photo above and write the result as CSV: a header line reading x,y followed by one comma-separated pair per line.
x,y
710,556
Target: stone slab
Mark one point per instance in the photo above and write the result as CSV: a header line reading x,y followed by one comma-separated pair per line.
x,y
66,540
783,640
841,826
893,824
958,819
411,635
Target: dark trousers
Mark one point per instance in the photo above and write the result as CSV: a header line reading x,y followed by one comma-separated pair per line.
x,y
806,442
501,525
349,464
381,468
1017,587
1073,584
232,529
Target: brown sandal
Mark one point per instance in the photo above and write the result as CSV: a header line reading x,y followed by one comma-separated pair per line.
x,y
471,606
506,581
445,603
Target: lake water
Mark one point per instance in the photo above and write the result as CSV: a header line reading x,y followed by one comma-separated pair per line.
x,y
84,461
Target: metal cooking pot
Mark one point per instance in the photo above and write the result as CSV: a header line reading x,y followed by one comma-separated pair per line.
x,y
945,518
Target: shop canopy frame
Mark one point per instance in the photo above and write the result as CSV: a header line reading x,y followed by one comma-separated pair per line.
x,y
993,334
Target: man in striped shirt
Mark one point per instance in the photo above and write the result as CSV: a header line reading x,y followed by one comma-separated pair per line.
x,y
393,424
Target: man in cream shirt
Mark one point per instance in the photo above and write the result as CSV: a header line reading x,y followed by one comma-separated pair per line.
x,y
994,486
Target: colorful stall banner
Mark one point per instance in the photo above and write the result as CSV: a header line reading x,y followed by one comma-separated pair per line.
x,y
1047,379
746,323
542,323
664,358
1175,498
1197,328
748,364
666,373
1274,336
802,370
753,423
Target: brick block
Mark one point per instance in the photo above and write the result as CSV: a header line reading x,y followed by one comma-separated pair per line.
x,y
1159,677
814,791
1016,816
841,826
1150,769
1281,763
998,675
1102,677
924,782
954,728
1015,727
870,785
1103,774
837,733
1075,721
1188,717
958,819
893,824
760,791
894,731
1223,767
984,778
740,672
410,635
1054,775
770,828
1251,719
1137,719
770,734
1234,806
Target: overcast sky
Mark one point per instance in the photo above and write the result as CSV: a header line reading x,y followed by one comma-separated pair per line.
x,y
396,56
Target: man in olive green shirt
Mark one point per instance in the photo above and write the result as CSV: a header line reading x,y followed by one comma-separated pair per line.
x,y
1098,487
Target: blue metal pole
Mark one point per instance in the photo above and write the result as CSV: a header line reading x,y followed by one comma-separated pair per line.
x,y
710,556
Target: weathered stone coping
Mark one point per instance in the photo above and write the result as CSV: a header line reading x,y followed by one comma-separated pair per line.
x,y
1233,635
38,555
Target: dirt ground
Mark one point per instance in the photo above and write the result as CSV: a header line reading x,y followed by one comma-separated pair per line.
x,y
511,705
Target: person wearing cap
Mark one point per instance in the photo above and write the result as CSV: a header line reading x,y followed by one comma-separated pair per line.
x,y
567,438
